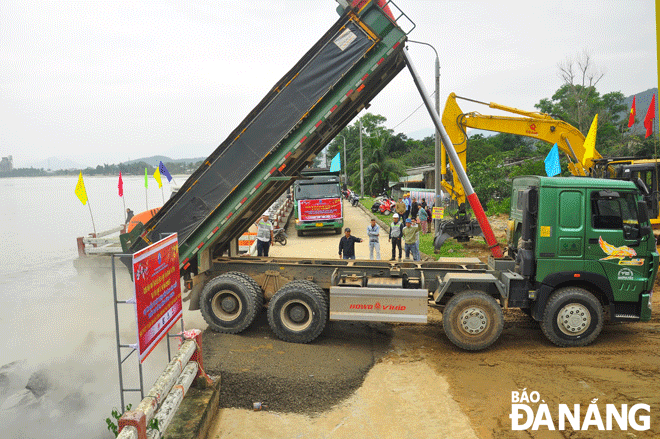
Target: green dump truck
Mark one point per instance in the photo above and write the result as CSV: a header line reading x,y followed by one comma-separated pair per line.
x,y
577,247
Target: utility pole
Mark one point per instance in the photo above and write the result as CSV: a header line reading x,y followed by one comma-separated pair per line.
x,y
345,162
440,164
361,164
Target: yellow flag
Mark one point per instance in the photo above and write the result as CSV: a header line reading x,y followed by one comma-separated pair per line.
x,y
81,193
157,177
590,144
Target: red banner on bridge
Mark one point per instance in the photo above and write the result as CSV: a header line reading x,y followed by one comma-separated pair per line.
x,y
326,209
157,292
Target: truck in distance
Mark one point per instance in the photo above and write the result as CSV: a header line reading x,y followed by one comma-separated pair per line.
x,y
317,201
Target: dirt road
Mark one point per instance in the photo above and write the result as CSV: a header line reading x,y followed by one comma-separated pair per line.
x,y
387,380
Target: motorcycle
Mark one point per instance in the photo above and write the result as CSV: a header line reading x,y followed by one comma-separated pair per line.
x,y
387,206
355,200
279,235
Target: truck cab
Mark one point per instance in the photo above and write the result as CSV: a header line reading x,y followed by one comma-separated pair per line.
x,y
317,202
588,241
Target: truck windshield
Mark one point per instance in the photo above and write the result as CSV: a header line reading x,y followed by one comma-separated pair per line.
x,y
317,190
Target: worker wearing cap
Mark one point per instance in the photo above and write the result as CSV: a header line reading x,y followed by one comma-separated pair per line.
x,y
347,245
264,234
396,232
410,237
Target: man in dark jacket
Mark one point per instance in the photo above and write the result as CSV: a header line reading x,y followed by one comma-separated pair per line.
x,y
414,209
347,244
129,215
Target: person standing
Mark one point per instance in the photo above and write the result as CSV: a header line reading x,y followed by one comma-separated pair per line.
x,y
423,217
423,203
429,218
410,236
417,255
414,209
373,231
396,232
406,201
347,245
264,235
129,215
400,208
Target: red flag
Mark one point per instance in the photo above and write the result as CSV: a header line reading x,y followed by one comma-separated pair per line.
x,y
120,185
650,115
633,112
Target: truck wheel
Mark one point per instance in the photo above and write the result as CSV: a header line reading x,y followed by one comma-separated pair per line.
x,y
337,230
472,320
229,303
252,282
300,232
298,312
572,317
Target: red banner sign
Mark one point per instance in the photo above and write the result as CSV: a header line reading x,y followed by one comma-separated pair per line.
x,y
326,209
157,292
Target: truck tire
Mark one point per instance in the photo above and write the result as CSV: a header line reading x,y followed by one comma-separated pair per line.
x,y
230,303
472,320
572,317
252,282
298,312
337,230
300,232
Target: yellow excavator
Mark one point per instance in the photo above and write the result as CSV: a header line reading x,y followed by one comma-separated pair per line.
x,y
539,126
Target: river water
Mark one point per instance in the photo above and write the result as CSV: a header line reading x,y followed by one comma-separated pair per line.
x,y
59,325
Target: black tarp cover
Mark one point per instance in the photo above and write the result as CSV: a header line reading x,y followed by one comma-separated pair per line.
x,y
191,206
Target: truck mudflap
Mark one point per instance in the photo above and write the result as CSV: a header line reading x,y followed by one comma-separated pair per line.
x,y
378,304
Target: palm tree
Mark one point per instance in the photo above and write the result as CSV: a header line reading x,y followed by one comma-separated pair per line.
x,y
381,168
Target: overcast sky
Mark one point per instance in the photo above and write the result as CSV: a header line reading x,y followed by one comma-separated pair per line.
x,y
108,81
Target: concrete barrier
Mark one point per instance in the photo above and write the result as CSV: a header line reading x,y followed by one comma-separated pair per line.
x,y
166,395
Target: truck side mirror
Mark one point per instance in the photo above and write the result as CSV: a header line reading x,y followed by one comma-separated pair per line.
x,y
642,212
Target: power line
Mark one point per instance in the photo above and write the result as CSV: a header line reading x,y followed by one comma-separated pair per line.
x,y
411,114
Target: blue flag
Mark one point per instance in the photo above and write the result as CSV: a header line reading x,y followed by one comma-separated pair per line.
x,y
335,164
163,170
552,166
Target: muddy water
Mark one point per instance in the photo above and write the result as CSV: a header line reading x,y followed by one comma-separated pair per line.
x,y
56,322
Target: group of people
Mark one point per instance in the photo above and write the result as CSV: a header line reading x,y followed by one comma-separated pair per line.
x,y
408,208
404,232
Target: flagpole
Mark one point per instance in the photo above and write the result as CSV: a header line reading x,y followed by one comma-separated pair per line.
x,y
92,216
146,189
124,201
162,193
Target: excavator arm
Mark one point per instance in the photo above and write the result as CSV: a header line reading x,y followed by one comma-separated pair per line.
x,y
530,124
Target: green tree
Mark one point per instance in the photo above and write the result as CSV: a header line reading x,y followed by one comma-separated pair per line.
x,y
577,101
381,168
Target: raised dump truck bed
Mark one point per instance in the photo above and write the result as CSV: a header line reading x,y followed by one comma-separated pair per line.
x,y
262,157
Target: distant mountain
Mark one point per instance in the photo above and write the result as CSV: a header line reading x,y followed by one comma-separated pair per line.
x,y
642,102
155,160
55,164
